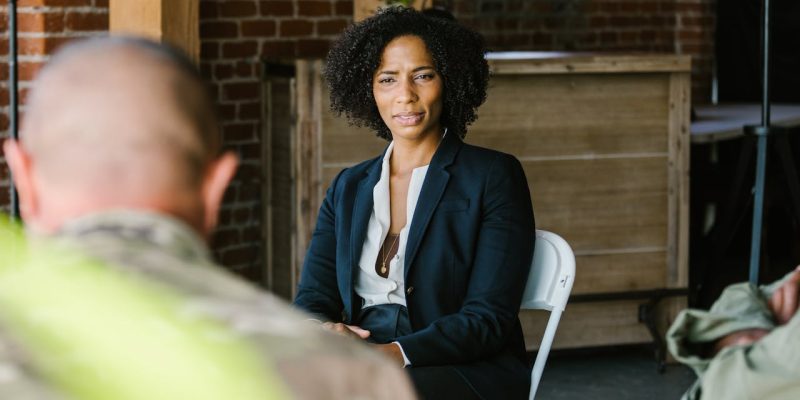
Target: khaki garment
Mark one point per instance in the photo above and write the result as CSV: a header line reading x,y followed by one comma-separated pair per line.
x,y
314,364
767,369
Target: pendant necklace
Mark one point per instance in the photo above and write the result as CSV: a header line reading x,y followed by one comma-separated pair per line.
x,y
386,255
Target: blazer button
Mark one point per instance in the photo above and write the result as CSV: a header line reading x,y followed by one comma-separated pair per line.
x,y
409,290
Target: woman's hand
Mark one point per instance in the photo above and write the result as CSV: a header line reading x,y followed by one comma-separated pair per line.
x,y
392,350
346,330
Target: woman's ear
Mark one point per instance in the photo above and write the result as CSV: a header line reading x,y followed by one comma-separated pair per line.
x,y
21,165
218,175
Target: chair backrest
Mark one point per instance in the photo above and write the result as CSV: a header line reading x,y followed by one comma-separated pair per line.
x,y
549,284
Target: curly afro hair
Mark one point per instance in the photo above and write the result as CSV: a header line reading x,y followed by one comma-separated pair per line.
x,y
458,55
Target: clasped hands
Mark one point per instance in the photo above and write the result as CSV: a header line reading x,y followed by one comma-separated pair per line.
x,y
391,350
783,304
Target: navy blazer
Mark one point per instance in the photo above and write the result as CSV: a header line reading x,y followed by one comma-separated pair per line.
x,y
467,259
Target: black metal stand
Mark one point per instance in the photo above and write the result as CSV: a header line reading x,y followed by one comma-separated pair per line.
x,y
761,159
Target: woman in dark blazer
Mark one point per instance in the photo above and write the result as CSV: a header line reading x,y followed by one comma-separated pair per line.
x,y
423,251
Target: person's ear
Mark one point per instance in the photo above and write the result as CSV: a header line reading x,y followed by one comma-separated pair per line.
x,y
21,165
218,175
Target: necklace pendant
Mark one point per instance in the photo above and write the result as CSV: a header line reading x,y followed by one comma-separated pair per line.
x,y
383,268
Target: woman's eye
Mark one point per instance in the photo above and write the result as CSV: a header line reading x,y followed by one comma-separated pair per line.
x,y
425,77
386,80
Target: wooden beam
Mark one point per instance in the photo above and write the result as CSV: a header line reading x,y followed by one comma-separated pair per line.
x,y
168,21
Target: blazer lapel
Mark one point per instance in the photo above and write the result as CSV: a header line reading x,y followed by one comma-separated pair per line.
x,y
432,190
362,209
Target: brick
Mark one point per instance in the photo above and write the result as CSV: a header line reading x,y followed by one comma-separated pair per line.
x,y
4,71
276,8
629,37
629,7
53,43
259,28
225,238
223,72
101,3
227,111
209,50
313,8
241,215
251,234
5,196
596,22
249,172
249,111
239,49
685,7
648,7
243,69
54,3
694,35
295,27
208,10
249,152
312,47
224,217
27,71
343,8
40,22
331,26
250,192
4,123
240,132
491,7
77,21
608,37
31,46
542,39
278,49
237,9
667,6
218,30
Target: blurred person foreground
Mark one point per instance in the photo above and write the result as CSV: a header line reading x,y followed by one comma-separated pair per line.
x,y
119,162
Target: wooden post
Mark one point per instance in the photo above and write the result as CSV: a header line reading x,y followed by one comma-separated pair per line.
x,y
169,21
365,8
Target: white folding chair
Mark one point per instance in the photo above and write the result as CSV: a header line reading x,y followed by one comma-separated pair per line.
x,y
549,284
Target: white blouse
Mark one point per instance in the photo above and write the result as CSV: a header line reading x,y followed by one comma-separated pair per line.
x,y
370,286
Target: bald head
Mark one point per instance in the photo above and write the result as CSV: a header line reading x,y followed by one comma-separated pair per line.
x,y
120,115
119,123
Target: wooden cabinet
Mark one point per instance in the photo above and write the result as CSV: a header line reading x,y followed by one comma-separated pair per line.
x,y
604,141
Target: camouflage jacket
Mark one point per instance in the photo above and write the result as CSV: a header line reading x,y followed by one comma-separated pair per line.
x,y
766,369
163,251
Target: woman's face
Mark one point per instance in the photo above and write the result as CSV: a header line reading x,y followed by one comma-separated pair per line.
x,y
408,90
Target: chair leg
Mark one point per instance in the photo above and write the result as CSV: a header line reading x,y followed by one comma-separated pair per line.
x,y
544,350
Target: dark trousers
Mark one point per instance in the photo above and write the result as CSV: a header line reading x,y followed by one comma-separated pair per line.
x,y
386,322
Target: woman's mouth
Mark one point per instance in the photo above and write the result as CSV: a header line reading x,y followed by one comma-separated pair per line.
x,y
409,119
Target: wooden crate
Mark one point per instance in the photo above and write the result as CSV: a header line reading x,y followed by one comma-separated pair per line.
x,y
604,141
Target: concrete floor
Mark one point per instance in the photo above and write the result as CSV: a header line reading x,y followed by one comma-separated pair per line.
x,y
619,374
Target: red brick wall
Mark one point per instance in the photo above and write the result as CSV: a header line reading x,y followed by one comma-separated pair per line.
x,y
236,35
42,26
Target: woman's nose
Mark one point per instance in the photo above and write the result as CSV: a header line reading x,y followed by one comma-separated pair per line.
x,y
406,91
